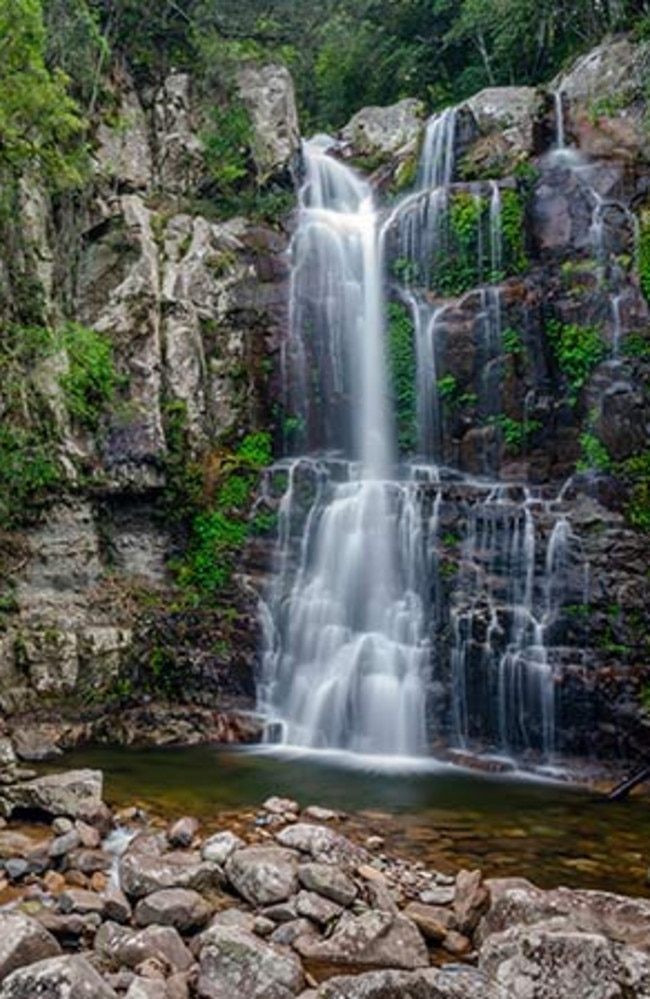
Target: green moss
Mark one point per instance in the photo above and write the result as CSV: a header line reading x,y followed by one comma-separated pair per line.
x,y
402,367
512,341
594,455
643,252
577,350
635,472
513,232
91,381
516,433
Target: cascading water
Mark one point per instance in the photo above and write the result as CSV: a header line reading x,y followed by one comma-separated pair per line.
x,y
364,625
346,658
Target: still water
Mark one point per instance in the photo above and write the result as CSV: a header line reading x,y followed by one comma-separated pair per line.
x,y
550,832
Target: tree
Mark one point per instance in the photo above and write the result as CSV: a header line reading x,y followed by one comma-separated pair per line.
x,y
40,127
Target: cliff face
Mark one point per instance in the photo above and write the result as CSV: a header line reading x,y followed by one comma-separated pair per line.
x,y
196,310
193,308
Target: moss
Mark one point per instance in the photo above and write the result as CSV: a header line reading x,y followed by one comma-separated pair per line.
x,y
643,252
577,350
402,367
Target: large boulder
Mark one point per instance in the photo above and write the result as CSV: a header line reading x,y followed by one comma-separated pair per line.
x,y
119,946
552,961
235,962
23,941
329,881
268,93
322,844
263,874
373,940
377,131
57,794
455,983
612,70
70,977
142,874
510,111
179,907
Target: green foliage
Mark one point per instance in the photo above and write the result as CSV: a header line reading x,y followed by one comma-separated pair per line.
x,y
512,341
76,45
91,380
643,252
40,126
594,455
636,345
450,392
222,519
577,350
226,143
513,232
516,433
29,471
402,366
635,471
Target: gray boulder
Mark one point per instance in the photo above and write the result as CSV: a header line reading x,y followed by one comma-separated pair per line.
x,y
23,941
142,874
329,881
553,961
323,844
180,907
120,946
219,847
373,940
235,962
455,983
57,978
268,93
57,794
263,874
384,131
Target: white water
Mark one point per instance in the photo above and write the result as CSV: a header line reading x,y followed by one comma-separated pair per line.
x,y
360,627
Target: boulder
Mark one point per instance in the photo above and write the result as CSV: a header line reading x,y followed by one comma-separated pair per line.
x,y
455,983
317,908
377,131
146,988
263,874
182,832
219,847
323,844
329,881
508,110
142,874
70,977
235,962
471,900
433,921
268,93
57,794
552,960
80,901
180,907
120,946
23,941
611,70
372,940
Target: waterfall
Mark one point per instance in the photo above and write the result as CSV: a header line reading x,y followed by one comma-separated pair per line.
x,y
345,658
369,617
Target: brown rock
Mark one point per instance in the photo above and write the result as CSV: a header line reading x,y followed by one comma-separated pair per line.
x,y
76,879
457,944
433,921
471,900
99,882
89,836
53,882
183,831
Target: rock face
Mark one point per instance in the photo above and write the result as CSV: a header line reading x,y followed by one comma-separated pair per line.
x,y
385,131
268,93
192,308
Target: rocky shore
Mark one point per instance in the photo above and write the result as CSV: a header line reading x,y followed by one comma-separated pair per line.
x,y
292,902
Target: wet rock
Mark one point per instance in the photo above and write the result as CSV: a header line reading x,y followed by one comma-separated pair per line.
x,y
118,945
323,844
471,900
56,794
183,831
23,941
383,131
179,907
434,922
547,961
142,874
237,963
219,847
70,977
263,874
372,940
53,882
328,881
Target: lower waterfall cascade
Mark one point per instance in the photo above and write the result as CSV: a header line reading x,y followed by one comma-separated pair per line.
x,y
414,607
